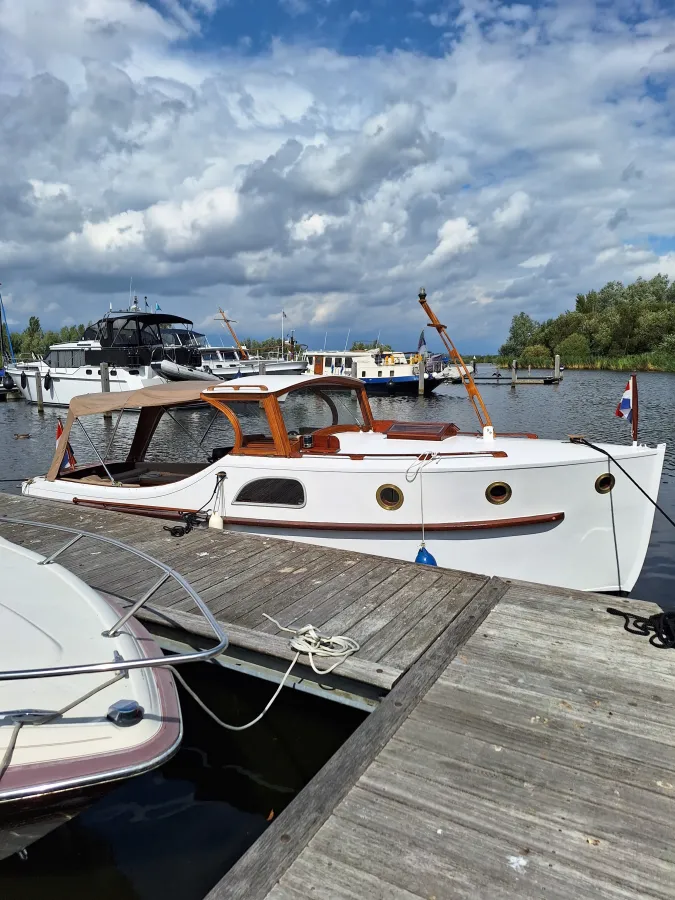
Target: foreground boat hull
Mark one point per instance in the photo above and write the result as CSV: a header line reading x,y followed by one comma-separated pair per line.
x,y
556,528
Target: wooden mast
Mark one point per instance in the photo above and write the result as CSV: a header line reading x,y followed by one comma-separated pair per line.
x,y
467,378
229,323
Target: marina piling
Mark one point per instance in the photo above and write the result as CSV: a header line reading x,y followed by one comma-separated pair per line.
x,y
105,385
38,394
556,367
420,383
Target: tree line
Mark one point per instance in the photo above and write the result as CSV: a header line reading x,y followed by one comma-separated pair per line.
x,y
33,342
619,326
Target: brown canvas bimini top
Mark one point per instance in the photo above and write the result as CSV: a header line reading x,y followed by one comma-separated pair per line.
x,y
173,392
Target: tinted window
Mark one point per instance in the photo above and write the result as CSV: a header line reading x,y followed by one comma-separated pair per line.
x,y
328,360
273,492
338,360
348,361
78,357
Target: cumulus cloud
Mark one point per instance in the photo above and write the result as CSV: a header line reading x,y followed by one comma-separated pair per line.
x,y
454,236
524,157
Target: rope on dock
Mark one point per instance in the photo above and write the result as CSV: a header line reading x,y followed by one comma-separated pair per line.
x,y
307,640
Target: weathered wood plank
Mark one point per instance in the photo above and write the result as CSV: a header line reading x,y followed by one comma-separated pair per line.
x,y
263,864
360,670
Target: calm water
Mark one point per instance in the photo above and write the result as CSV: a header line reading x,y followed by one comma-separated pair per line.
x,y
583,404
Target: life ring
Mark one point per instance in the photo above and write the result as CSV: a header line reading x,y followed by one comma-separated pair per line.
x,y
48,381
24,380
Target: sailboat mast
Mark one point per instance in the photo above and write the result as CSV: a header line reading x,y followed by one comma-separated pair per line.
x,y
467,378
229,322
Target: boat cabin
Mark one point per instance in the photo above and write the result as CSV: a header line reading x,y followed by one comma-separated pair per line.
x,y
132,337
268,416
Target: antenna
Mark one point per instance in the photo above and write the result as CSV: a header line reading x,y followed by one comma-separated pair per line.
x,y
349,331
130,280
325,339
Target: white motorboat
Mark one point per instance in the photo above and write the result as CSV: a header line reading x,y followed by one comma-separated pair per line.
x,y
85,698
382,372
134,343
320,468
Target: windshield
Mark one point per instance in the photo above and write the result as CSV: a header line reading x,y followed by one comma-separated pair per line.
x,y
310,408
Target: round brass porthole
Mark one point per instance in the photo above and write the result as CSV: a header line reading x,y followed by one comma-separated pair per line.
x,y
389,496
604,483
498,492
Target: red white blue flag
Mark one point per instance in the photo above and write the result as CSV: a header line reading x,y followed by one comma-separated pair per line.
x,y
68,461
628,406
625,408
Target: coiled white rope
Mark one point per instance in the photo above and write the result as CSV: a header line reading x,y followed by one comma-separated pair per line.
x,y
307,640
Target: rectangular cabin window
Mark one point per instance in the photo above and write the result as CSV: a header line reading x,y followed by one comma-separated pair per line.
x,y
78,357
391,373
363,374
310,360
328,361
379,373
348,362
338,361
272,492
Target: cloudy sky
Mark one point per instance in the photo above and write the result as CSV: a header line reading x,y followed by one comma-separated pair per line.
x,y
328,157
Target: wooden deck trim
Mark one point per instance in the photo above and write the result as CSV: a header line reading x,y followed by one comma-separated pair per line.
x,y
478,525
261,867
170,512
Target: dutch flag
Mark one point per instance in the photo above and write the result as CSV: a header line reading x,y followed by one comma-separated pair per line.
x,y
625,408
68,461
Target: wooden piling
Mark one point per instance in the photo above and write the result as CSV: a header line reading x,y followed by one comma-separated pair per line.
x,y
420,382
105,385
38,394
556,366
262,367
514,373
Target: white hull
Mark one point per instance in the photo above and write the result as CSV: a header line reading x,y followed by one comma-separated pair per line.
x,y
69,383
575,541
226,371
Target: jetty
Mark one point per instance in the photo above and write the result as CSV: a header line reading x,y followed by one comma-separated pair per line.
x,y
520,741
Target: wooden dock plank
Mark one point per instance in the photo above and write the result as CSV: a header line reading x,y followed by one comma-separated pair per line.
x,y
253,876
242,576
528,769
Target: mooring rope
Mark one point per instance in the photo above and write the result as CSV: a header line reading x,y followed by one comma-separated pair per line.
x,y
307,640
49,717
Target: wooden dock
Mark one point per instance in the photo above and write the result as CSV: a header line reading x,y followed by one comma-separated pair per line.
x,y
522,743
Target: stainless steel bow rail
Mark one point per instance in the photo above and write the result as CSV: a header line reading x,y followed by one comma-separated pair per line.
x,y
121,665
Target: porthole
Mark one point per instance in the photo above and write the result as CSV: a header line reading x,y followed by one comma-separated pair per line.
x,y
389,496
604,483
498,492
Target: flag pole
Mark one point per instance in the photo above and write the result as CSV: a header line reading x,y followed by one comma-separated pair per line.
x,y
634,422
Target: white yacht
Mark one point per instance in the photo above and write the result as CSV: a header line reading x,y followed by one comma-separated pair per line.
x,y
383,371
134,343
307,460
